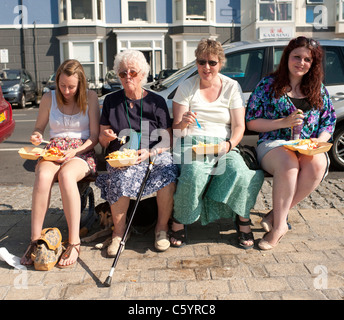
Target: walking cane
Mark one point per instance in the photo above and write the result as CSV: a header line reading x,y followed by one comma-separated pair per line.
x,y
108,280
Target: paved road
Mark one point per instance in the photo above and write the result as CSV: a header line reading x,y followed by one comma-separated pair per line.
x,y
308,263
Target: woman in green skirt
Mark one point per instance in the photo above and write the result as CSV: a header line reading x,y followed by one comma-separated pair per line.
x,y
209,109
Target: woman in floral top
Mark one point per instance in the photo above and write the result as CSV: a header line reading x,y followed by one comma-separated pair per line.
x,y
292,95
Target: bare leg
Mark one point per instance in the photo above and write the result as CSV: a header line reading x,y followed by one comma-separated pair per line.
x,y
284,166
69,174
165,206
45,176
311,172
119,213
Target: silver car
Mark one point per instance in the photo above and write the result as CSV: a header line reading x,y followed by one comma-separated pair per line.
x,y
248,62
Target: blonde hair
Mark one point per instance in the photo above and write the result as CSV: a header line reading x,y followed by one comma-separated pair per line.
x,y
210,47
73,67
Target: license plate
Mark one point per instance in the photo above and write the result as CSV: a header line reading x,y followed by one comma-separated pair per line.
x,y
2,117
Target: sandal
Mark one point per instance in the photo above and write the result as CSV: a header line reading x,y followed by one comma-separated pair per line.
x,y
27,255
67,253
265,245
244,236
179,235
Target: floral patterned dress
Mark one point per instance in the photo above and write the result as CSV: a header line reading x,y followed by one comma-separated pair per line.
x,y
72,143
262,105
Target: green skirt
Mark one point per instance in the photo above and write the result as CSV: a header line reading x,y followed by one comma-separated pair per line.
x,y
232,191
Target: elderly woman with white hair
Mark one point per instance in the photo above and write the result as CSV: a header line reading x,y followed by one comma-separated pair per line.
x,y
143,119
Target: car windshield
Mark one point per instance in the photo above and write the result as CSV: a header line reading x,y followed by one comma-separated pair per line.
x,y
111,77
166,83
9,75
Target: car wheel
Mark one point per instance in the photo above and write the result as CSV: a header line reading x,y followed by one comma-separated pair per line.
x,y
35,101
337,151
22,102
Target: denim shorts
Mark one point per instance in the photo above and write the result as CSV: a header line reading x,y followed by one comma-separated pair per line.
x,y
266,146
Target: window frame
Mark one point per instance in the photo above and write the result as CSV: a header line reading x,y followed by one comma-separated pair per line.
x,y
150,8
247,81
339,54
99,63
315,2
65,13
340,11
181,58
132,39
182,17
275,2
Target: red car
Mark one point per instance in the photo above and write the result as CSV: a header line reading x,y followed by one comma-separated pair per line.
x,y
6,120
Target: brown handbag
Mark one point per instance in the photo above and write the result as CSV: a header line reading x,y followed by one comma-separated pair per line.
x,y
48,250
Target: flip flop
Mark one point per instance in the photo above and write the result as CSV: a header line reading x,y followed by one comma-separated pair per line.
x,y
30,249
67,253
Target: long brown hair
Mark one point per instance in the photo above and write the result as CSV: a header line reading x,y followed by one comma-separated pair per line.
x,y
311,82
73,67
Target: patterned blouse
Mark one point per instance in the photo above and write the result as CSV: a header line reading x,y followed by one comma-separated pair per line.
x,y
261,105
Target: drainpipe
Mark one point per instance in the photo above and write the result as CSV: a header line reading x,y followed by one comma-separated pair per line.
x,y
35,53
22,38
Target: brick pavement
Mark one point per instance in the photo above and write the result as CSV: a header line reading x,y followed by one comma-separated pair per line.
x,y
307,264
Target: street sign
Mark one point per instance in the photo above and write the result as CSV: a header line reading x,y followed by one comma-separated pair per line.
x,y
4,56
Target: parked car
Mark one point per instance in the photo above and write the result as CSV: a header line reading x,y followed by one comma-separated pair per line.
x,y
163,74
18,87
7,123
50,84
248,62
111,83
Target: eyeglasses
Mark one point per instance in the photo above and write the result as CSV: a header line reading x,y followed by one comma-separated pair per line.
x,y
131,73
212,63
301,40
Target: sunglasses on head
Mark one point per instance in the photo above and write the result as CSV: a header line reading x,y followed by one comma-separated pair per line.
x,y
301,40
212,63
131,73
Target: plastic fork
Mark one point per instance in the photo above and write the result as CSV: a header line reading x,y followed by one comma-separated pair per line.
x,y
198,125
122,140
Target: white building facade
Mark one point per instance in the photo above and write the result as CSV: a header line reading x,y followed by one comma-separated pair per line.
x,y
40,34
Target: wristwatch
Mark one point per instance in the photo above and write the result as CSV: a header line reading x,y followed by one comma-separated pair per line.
x,y
230,143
